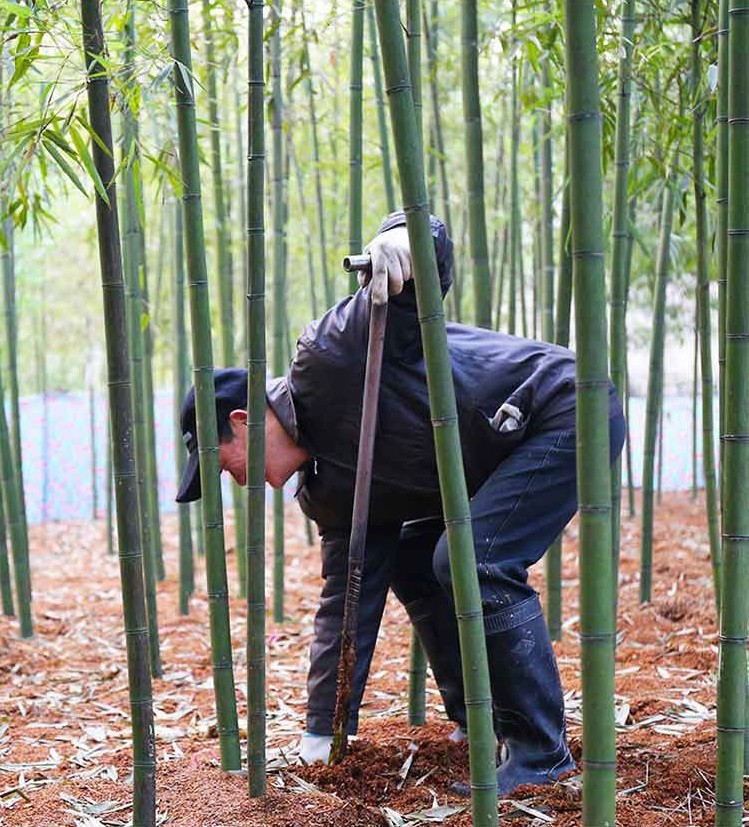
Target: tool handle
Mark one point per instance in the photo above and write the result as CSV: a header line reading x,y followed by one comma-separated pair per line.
x,y
361,262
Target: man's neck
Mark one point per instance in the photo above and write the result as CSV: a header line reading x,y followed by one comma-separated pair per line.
x,y
282,455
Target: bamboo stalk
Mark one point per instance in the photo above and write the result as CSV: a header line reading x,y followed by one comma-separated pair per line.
x,y
442,405
703,301
655,383
279,289
256,326
181,372
120,413
732,664
474,158
620,259
132,266
205,399
319,200
355,135
598,630
387,171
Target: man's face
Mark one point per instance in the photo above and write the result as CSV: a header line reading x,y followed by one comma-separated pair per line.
x,y
232,456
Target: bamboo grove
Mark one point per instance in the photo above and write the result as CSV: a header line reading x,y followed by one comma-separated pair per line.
x,y
591,162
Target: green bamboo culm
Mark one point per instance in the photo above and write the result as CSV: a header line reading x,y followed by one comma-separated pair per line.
x,y
413,51
732,675
109,489
564,268
430,36
6,587
319,200
279,290
131,258
256,365
18,537
721,228
181,369
92,446
417,669
11,344
655,384
374,54
553,557
597,636
695,383
474,157
482,748
355,135
305,212
224,266
702,243
205,399
120,413
514,232
619,259
135,260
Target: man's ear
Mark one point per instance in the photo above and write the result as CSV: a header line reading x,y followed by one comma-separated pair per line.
x,y
238,419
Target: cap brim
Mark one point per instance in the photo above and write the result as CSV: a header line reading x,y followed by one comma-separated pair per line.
x,y
189,490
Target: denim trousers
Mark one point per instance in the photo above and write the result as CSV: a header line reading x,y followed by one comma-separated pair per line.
x,y
516,515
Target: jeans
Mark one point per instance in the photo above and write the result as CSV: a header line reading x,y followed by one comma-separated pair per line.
x,y
518,512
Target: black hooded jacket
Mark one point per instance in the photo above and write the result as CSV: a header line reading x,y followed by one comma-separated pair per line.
x,y
320,402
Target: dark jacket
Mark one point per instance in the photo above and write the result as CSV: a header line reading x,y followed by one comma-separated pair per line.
x,y
320,403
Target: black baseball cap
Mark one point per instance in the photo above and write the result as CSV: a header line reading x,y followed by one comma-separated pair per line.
x,y
231,394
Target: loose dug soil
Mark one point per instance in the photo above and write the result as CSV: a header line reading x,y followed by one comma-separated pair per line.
x,y
65,757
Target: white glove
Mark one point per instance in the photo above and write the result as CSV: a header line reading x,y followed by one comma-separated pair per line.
x,y
458,735
315,748
391,264
507,418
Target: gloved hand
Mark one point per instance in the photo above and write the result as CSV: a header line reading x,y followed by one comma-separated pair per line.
x,y
391,264
507,418
315,748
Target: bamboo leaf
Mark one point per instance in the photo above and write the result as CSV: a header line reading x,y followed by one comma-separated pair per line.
x,y
64,165
15,9
88,162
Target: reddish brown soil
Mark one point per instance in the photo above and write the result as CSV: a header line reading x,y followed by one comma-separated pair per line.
x,y
64,734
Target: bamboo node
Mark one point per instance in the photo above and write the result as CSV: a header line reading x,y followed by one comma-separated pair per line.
x,y
469,615
729,639
431,319
577,117
597,637
398,87
587,254
489,785
594,509
458,521
592,383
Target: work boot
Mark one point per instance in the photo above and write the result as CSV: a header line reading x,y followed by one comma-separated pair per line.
x,y
438,634
528,699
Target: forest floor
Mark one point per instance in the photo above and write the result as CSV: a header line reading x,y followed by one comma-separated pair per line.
x,y
65,757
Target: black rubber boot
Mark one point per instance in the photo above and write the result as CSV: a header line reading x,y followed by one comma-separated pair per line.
x,y
438,633
528,699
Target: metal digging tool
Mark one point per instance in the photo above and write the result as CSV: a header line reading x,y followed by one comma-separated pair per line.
x,y
360,515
